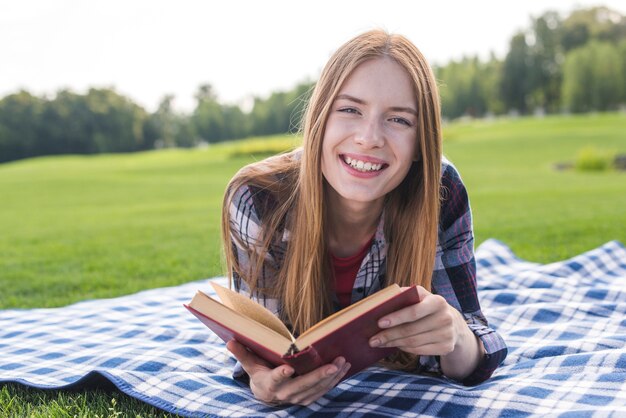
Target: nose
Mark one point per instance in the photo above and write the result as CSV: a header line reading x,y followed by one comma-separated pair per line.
x,y
370,134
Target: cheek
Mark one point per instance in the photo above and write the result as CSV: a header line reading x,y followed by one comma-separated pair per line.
x,y
326,147
407,150
330,136
327,156
332,139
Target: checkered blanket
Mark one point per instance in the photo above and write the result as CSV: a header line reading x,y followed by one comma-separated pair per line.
x,y
565,324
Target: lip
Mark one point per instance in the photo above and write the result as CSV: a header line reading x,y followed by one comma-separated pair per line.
x,y
362,174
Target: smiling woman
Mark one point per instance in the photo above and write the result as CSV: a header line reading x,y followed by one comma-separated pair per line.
x,y
366,202
369,143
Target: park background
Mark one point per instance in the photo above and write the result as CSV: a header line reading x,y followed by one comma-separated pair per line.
x,y
111,184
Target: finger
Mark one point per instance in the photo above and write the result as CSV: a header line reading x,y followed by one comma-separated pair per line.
x,y
340,375
437,341
388,337
267,385
252,363
346,368
292,390
409,313
431,304
436,326
281,374
322,387
242,354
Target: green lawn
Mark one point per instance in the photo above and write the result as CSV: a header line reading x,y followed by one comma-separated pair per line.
x,y
76,228
518,197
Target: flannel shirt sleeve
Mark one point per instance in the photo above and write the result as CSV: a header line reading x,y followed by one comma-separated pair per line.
x,y
454,275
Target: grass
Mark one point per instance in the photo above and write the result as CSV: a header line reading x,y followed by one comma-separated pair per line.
x,y
518,197
19,401
77,227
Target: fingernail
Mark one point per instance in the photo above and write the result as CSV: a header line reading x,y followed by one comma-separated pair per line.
x,y
331,370
287,372
375,342
339,363
384,323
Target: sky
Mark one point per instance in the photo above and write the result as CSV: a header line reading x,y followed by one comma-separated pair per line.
x,y
243,48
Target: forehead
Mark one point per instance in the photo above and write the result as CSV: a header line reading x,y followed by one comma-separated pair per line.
x,y
380,78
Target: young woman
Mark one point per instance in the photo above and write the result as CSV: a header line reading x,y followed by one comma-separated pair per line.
x,y
367,201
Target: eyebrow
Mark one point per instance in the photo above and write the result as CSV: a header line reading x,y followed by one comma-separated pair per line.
x,y
363,102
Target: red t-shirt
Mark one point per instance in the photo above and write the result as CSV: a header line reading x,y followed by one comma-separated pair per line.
x,y
345,269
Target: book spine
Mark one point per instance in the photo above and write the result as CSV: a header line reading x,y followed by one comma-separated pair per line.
x,y
304,361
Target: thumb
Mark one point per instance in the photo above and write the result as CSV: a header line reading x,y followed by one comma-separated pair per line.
x,y
249,361
252,364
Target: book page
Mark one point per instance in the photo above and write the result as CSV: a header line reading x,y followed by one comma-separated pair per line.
x,y
228,324
251,309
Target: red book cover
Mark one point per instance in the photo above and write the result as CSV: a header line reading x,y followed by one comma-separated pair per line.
x,y
227,334
350,340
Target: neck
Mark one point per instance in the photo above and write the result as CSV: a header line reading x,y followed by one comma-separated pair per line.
x,y
350,224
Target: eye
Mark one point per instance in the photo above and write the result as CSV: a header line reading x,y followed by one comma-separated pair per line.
x,y
401,121
348,110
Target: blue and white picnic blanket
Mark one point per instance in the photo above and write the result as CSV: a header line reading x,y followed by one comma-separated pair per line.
x,y
565,324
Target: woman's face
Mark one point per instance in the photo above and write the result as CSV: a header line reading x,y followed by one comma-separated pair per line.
x,y
371,135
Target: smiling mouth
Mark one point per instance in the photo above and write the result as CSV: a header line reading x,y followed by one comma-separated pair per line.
x,y
363,166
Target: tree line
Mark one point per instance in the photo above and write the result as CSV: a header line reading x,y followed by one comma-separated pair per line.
x,y
572,64
575,63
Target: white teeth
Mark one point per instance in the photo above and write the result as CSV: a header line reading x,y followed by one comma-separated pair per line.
x,y
362,165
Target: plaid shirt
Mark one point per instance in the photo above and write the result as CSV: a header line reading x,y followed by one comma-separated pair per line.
x,y
454,274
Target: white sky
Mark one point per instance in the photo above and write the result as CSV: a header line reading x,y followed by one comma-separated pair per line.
x,y
148,48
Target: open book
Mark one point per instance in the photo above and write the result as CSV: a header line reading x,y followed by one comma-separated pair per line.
x,y
345,333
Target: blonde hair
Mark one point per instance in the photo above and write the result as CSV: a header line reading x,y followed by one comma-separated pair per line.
x,y
411,210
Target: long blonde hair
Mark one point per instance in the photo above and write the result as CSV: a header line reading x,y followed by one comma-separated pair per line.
x,y
295,182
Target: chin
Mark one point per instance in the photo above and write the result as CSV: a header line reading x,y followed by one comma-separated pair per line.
x,y
361,197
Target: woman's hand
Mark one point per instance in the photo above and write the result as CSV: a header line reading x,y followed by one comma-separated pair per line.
x,y
432,328
276,386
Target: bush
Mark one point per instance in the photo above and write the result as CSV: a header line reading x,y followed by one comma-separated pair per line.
x,y
593,159
263,147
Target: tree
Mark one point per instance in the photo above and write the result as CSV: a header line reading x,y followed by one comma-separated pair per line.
x,y
545,62
515,84
597,23
100,121
67,125
621,47
115,123
162,122
236,123
19,126
608,76
208,118
461,88
281,112
490,80
593,78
